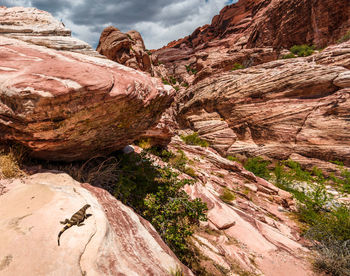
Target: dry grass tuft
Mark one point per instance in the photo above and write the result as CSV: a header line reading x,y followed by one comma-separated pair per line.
x,y
10,162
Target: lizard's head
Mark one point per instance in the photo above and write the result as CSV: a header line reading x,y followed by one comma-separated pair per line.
x,y
87,206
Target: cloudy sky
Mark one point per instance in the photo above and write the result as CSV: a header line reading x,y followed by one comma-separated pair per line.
x,y
158,21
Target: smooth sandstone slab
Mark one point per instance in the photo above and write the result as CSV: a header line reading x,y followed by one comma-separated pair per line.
x,y
30,212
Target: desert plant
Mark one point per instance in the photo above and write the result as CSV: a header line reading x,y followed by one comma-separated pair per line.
x,y
302,50
232,158
346,37
144,143
194,139
189,69
287,56
237,66
10,162
258,166
179,160
227,196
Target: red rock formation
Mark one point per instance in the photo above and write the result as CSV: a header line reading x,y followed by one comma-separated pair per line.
x,y
252,32
276,108
112,241
276,23
65,105
127,49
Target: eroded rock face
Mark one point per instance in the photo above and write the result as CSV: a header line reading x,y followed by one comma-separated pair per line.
x,y
40,28
112,241
252,32
125,48
65,105
276,109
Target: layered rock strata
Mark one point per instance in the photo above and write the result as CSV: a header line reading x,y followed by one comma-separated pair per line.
x,y
276,109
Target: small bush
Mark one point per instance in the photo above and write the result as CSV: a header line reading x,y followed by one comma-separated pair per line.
x,y
165,81
194,139
258,166
287,56
232,158
189,69
190,171
302,50
184,84
237,66
346,37
144,143
163,153
177,88
179,161
177,272
227,196
10,163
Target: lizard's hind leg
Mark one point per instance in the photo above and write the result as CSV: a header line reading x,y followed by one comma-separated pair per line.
x,y
65,221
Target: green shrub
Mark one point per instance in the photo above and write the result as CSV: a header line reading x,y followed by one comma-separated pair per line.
x,y
346,37
189,69
184,84
179,161
302,50
287,56
161,152
177,88
156,193
172,80
194,139
227,196
237,66
165,81
232,158
258,166
190,171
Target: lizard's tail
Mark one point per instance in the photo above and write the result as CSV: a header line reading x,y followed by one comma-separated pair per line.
x,y
61,232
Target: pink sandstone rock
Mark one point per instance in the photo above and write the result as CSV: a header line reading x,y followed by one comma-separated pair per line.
x,y
64,105
113,241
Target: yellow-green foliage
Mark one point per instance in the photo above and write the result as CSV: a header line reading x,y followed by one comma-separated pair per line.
x,y
176,272
302,50
346,37
227,195
194,139
237,66
144,143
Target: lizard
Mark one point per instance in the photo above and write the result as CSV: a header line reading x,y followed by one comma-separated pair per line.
x,y
76,219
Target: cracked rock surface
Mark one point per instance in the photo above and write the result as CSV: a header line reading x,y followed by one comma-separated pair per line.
x,y
113,241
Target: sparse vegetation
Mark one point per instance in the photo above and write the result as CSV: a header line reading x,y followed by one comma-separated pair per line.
x,y
302,50
194,139
346,37
232,158
190,69
177,88
184,84
165,81
176,272
326,222
179,161
227,196
258,166
144,143
287,56
237,66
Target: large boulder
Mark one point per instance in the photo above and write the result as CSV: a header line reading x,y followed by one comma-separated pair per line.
x,y
125,48
113,240
64,105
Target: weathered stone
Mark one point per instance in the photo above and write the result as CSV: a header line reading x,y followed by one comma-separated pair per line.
x,y
112,241
125,48
64,105
277,108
